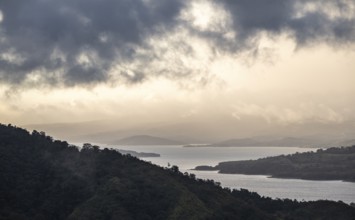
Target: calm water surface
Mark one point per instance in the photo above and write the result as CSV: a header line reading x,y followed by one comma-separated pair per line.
x,y
188,158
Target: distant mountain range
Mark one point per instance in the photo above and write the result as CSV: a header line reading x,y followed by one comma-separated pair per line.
x,y
260,142
211,131
146,140
282,142
278,142
111,132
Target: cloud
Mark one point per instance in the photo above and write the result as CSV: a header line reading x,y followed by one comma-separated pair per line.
x,y
307,21
302,114
76,42
86,42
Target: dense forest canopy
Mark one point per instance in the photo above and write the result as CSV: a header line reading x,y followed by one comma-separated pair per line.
x,y
42,178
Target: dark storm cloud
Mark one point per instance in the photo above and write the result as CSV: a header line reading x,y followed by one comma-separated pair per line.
x,y
74,42
50,36
250,17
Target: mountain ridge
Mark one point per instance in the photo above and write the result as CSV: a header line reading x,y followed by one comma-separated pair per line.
x,y
330,164
43,178
146,140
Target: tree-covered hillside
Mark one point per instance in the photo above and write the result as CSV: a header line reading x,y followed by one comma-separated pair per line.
x,y
42,178
330,164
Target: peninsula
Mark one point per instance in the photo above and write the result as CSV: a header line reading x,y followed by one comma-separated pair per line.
x,y
330,164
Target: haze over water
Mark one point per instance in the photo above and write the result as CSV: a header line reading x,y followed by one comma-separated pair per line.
x,y
196,71
188,158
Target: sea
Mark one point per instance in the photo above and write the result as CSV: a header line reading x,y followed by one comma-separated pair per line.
x,y
187,158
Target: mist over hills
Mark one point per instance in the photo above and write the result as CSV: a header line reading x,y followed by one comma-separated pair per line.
x,y
43,178
216,73
146,140
250,131
275,142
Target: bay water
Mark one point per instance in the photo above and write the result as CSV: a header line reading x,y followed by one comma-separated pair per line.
x,y
187,158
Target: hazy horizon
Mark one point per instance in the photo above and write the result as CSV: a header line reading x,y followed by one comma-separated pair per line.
x,y
200,71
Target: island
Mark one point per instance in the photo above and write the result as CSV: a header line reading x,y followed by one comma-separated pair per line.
x,y
138,154
337,163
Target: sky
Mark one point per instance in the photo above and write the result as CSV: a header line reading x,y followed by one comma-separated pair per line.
x,y
196,70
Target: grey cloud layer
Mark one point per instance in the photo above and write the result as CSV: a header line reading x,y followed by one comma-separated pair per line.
x,y
48,37
306,26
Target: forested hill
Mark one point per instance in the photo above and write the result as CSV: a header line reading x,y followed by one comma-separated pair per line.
x,y
42,178
329,164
